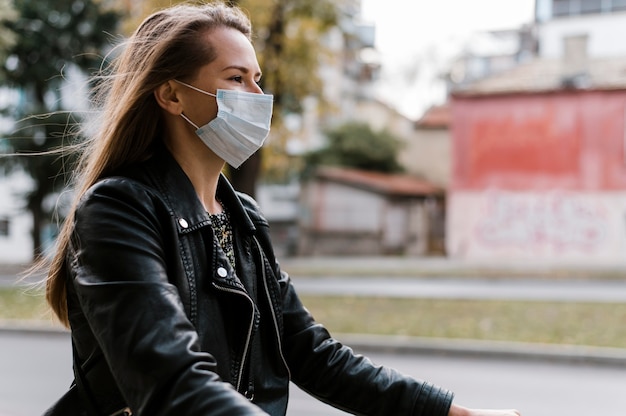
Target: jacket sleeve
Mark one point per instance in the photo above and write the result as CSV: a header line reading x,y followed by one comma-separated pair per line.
x,y
332,372
119,273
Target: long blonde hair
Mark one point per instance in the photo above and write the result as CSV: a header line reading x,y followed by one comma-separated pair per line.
x,y
169,44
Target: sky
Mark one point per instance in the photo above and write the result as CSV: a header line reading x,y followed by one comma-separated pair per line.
x,y
408,31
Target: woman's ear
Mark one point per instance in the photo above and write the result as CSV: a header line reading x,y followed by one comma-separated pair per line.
x,y
167,97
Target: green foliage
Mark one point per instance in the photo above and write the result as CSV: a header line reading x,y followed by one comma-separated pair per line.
x,y
357,145
287,38
7,37
288,45
50,38
36,141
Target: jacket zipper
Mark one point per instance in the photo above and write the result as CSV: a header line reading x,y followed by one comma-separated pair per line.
x,y
269,298
248,338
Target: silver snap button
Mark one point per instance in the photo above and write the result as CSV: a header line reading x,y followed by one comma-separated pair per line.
x,y
222,272
183,223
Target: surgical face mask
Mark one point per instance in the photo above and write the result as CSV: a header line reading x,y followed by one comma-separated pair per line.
x,y
241,126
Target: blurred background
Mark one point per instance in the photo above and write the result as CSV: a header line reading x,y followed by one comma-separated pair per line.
x,y
402,127
464,160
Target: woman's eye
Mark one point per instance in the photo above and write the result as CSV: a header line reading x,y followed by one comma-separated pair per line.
x,y
237,78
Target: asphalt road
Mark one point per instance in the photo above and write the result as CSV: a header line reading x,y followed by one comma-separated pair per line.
x,y
35,368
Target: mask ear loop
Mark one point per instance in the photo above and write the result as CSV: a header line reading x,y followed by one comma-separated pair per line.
x,y
189,121
194,88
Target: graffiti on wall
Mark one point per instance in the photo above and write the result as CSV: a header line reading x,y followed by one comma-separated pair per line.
x,y
558,220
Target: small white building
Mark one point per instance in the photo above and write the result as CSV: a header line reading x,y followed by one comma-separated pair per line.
x,y
354,212
594,27
16,243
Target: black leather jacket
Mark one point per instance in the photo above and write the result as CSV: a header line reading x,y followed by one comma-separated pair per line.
x,y
163,324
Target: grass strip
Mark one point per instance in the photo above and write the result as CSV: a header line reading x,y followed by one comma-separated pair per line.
x,y
590,324
23,304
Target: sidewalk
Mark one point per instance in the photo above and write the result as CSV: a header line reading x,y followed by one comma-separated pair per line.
x,y
467,288
449,267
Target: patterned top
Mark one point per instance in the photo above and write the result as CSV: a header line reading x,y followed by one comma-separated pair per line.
x,y
223,231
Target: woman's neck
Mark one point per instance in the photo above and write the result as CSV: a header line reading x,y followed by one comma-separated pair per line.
x,y
203,169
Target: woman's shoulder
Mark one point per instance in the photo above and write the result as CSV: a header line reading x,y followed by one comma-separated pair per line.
x,y
135,181
118,184
248,202
117,191
251,207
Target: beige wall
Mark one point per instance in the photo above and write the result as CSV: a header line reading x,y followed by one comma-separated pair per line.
x,y
428,154
380,116
427,151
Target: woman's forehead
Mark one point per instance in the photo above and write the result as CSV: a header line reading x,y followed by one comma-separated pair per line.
x,y
233,51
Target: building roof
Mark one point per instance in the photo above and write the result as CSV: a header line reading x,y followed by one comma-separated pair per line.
x,y
436,117
543,75
384,183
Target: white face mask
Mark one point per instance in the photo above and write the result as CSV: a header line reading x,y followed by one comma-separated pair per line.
x,y
241,126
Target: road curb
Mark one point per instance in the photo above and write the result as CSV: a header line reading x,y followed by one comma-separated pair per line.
x,y
32,328
486,349
364,343
402,266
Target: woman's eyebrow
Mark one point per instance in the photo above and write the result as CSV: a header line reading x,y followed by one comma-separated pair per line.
x,y
242,69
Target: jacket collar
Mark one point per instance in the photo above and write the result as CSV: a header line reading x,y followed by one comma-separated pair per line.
x,y
183,201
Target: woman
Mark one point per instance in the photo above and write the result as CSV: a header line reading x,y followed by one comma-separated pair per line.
x,y
166,276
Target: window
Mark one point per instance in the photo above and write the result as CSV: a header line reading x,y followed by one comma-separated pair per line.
x,y
577,7
575,48
4,227
561,8
590,6
618,5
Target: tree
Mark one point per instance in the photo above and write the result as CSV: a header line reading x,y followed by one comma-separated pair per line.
x,y
7,37
288,44
356,145
52,40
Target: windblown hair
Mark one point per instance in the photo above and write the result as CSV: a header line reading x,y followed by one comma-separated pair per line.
x,y
170,44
